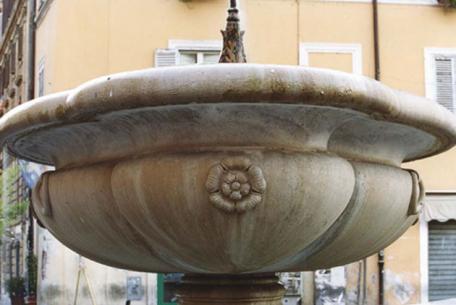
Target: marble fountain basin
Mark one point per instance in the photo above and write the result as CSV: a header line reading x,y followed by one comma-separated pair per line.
x,y
229,168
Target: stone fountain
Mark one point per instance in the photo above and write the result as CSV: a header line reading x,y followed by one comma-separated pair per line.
x,y
230,172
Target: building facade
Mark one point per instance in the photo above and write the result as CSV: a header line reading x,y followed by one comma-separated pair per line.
x,y
407,44
15,64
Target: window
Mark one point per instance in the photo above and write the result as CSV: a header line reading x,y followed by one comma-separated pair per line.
x,y
20,43
41,4
7,11
339,56
41,79
438,246
440,69
188,52
7,72
445,83
13,58
203,57
42,8
41,83
442,260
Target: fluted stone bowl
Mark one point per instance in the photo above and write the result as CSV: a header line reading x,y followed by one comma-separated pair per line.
x,y
228,168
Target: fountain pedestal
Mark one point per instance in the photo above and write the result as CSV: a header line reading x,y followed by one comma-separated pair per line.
x,y
258,289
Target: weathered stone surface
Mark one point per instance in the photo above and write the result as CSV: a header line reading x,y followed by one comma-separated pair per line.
x,y
261,289
228,168
282,107
155,213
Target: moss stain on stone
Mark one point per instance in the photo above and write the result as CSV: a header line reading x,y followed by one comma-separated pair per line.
x,y
60,112
278,86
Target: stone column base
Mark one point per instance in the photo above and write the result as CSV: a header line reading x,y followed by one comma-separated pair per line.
x,y
258,289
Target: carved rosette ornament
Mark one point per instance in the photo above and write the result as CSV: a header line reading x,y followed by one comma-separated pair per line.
x,y
235,185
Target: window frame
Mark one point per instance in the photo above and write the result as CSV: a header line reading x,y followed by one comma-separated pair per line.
x,y
41,10
199,56
355,49
199,47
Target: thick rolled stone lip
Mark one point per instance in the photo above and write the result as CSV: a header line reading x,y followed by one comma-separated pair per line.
x,y
230,83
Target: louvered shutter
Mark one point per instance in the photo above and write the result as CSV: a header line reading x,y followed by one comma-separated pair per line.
x,y
442,260
166,57
445,81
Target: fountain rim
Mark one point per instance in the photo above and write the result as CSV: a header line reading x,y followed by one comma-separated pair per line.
x,y
230,83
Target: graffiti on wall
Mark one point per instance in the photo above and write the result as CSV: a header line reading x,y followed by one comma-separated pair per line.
x,y
330,286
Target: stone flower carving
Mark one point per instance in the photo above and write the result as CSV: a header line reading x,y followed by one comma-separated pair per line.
x,y
235,185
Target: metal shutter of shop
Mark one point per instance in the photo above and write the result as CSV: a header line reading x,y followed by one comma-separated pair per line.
x,y
445,81
442,260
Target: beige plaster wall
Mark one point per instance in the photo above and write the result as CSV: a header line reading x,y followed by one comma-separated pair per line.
x,y
402,269
66,278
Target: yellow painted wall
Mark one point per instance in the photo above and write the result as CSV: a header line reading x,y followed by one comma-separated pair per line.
x,y
402,269
46,50
338,22
83,39
341,62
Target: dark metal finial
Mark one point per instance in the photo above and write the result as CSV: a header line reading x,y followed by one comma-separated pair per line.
x,y
233,45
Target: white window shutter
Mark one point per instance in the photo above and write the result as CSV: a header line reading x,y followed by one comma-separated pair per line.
x,y
445,82
166,57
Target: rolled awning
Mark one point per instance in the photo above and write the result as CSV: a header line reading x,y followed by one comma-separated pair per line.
x,y
440,207
442,302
